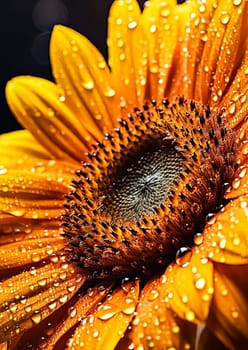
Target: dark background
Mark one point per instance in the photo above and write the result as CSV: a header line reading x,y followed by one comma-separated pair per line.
x,y
25,28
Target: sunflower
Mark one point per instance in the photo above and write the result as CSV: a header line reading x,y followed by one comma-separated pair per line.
x,y
124,202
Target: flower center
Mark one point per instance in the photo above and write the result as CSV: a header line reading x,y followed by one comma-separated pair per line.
x,y
141,183
148,188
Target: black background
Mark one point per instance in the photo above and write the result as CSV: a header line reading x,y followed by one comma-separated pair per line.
x,y
25,27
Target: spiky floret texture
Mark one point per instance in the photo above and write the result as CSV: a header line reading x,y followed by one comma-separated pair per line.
x,y
175,158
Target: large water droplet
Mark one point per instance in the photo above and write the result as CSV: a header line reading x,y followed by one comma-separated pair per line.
x,y
107,311
224,17
129,306
183,256
36,318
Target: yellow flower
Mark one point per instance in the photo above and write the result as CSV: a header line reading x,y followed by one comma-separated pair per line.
x,y
147,237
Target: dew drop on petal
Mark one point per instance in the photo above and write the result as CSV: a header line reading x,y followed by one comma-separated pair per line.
x,y
132,25
183,256
36,318
153,295
224,17
129,306
107,311
235,314
198,238
232,109
109,92
89,85
237,2
200,283
190,316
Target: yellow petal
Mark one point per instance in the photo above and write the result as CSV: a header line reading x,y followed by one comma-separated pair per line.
x,y
127,50
37,106
104,328
160,24
235,101
84,80
223,50
189,288
225,236
19,147
29,248
228,318
35,192
155,325
30,297
240,183
84,305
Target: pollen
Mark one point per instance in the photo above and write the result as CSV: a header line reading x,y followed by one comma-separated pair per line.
x,y
148,187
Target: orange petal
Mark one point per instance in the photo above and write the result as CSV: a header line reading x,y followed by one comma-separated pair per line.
x,y
28,298
189,288
41,244
38,107
35,192
106,326
235,101
223,50
240,183
225,236
84,80
127,50
155,325
228,318
159,21
79,310
19,147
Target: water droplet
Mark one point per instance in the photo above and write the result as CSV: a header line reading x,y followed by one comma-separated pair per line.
x,y
36,318
129,306
183,256
153,295
63,299
3,170
237,2
101,64
198,238
235,314
132,25
122,56
50,112
224,17
200,283
190,316
224,292
5,189
202,8
95,333
153,28
13,307
165,12
35,257
107,311
52,306
109,92
175,329
89,85
222,243
232,108
73,312
42,282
